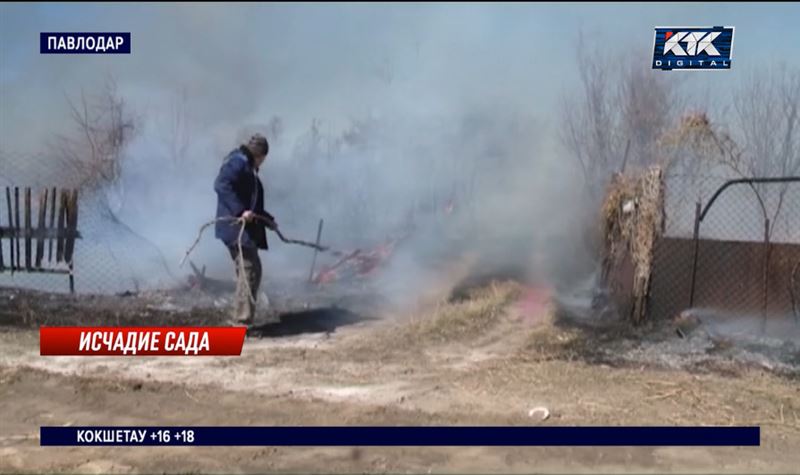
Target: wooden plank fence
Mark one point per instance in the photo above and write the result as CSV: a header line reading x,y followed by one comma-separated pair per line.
x,y
20,236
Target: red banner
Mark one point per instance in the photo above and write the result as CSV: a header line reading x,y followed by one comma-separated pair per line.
x,y
141,341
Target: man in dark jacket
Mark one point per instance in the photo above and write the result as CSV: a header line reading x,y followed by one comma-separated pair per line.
x,y
240,194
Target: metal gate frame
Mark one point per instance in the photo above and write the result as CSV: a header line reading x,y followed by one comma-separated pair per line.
x,y
702,211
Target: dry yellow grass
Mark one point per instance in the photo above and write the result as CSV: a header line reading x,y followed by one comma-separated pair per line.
x,y
464,318
443,321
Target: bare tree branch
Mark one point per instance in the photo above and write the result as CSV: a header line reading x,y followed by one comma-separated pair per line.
x,y
103,126
616,109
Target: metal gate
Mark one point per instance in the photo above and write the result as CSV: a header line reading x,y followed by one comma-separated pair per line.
x,y
746,248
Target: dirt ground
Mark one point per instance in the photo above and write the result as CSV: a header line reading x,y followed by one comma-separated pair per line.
x,y
482,356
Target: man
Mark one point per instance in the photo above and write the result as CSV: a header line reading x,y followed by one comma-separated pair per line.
x,y
240,194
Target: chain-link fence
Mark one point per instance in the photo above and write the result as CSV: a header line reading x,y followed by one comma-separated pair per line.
x,y
109,256
730,246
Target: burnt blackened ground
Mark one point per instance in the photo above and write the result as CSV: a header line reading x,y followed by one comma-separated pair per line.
x,y
297,308
31,309
715,343
290,309
318,320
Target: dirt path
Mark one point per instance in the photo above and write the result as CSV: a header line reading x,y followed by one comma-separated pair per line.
x,y
481,361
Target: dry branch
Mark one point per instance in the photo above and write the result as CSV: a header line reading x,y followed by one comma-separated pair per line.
x,y
240,259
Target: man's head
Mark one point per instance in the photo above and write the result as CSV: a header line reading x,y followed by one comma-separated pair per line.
x,y
259,148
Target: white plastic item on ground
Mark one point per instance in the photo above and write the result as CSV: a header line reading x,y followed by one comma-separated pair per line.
x,y
541,412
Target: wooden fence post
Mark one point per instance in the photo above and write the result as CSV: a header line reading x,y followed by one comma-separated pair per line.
x,y
11,227
40,227
28,263
17,225
62,214
52,224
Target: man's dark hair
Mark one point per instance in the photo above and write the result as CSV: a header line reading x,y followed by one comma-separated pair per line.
x,y
258,145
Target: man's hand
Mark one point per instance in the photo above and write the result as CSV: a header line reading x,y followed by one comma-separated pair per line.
x,y
248,215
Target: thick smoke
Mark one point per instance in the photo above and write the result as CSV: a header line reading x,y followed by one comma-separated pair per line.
x,y
425,124
479,183
431,121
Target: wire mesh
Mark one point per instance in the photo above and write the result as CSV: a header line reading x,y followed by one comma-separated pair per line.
x,y
110,257
747,247
749,240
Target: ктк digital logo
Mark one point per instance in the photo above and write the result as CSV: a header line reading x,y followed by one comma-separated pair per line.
x,y
693,48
